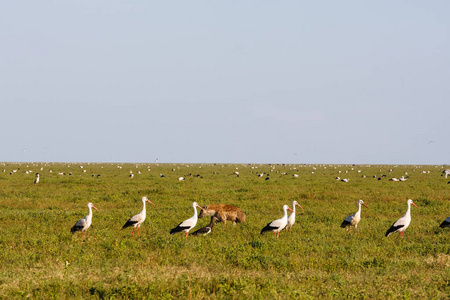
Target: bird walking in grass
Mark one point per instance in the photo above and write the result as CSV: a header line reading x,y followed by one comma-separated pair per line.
x,y
401,224
277,225
291,218
207,229
188,224
138,219
83,224
354,219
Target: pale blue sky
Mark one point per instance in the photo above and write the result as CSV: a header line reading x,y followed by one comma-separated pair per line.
x,y
230,81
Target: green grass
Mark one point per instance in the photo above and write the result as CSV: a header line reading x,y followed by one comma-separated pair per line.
x,y
317,259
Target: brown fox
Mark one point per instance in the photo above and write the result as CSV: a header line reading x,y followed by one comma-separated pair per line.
x,y
223,212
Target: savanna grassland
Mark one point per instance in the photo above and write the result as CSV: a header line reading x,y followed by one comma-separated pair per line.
x,y
40,258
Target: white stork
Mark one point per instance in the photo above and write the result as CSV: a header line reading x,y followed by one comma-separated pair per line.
x,y
83,224
188,224
36,181
277,225
291,218
138,219
401,224
354,219
446,223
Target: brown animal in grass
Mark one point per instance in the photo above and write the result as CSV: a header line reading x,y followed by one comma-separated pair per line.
x,y
223,212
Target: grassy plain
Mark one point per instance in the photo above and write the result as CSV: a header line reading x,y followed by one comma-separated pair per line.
x,y
40,258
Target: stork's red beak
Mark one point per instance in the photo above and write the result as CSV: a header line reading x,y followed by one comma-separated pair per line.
x,y
149,202
414,204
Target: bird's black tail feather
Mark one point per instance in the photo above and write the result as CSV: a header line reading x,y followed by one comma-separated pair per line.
x,y
393,229
345,224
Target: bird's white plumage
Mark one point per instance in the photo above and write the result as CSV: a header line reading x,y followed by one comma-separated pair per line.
x,y
278,225
188,224
401,224
354,219
84,223
291,218
192,221
36,181
138,219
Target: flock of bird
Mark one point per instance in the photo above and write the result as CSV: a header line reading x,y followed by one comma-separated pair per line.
x,y
275,226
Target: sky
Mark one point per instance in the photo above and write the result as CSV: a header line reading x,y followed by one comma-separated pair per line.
x,y
332,82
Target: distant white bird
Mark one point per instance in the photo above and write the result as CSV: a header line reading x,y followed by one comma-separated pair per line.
x,y
36,181
401,224
345,180
83,224
291,218
188,224
138,219
354,219
446,223
181,179
394,179
277,225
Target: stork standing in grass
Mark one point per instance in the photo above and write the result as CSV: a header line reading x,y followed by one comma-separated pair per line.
x,y
138,219
277,225
291,218
36,181
188,224
401,224
354,219
83,224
